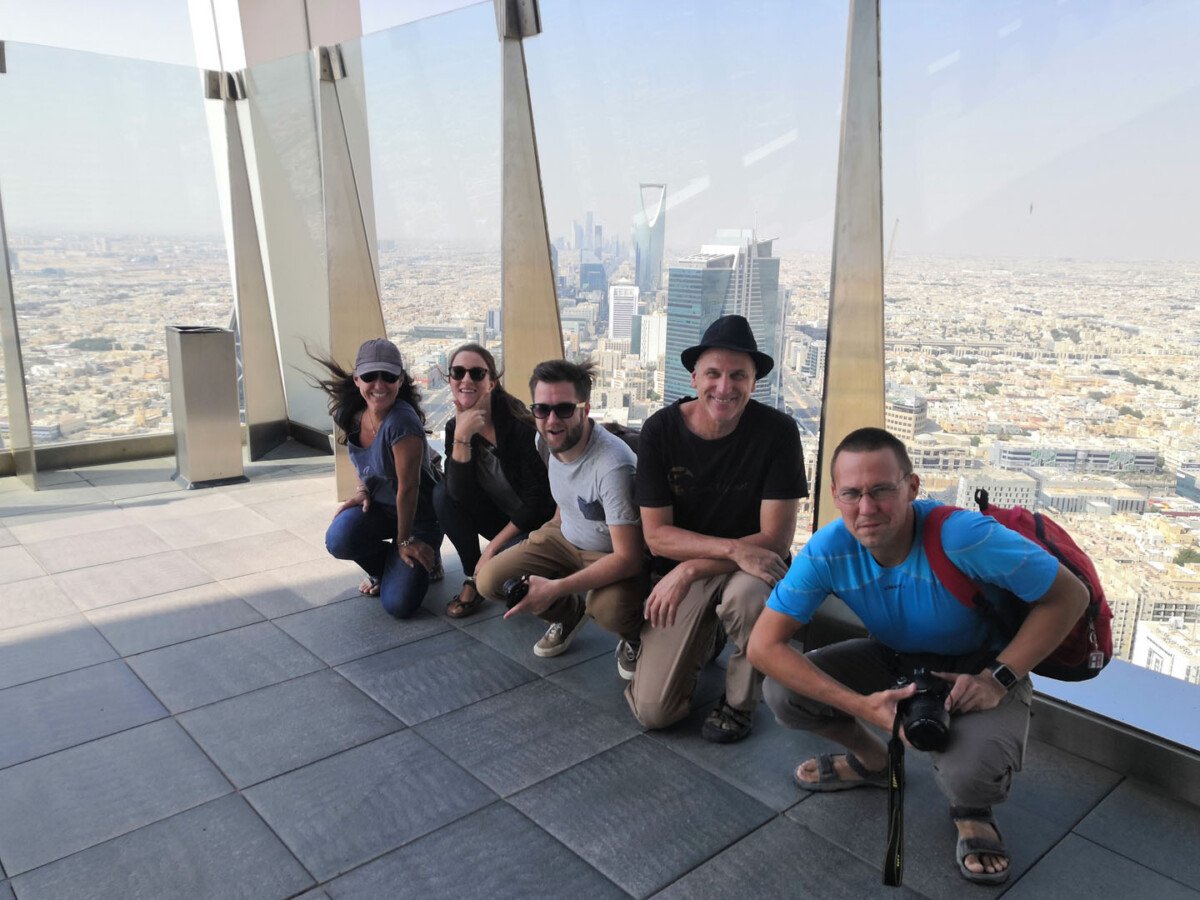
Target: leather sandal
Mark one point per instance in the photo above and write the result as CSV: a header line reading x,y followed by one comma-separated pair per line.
x,y
828,778
458,608
977,846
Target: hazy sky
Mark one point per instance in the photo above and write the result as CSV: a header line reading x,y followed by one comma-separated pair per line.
x,y
1010,128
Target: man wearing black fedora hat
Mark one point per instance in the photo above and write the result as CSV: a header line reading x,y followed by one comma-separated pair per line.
x,y
718,478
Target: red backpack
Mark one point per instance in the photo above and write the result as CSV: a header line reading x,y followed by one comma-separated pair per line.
x,y
1087,648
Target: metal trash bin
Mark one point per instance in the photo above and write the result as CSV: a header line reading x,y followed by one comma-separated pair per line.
x,y
204,406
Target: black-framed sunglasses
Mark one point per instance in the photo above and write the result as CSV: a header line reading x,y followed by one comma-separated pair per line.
x,y
477,373
563,410
369,377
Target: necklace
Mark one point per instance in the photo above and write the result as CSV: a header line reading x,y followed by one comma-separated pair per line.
x,y
368,427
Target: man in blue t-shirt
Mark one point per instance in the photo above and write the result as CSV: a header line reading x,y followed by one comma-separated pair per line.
x,y
873,560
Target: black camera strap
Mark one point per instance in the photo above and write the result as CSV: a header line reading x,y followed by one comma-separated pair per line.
x,y
893,862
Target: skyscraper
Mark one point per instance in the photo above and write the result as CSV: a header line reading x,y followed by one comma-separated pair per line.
x,y
622,304
737,275
649,232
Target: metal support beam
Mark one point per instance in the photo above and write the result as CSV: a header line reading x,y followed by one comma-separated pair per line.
x,y
262,379
854,358
20,427
854,383
355,313
532,331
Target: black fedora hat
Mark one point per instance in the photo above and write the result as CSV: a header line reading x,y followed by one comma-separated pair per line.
x,y
729,333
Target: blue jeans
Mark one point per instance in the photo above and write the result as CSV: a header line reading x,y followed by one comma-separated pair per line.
x,y
369,539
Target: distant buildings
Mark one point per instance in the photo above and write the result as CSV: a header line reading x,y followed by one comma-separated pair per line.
x,y
738,275
1011,455
649,234
1004,488
905,413
622,306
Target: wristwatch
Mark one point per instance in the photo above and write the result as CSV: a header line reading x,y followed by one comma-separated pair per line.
x,y
1003,674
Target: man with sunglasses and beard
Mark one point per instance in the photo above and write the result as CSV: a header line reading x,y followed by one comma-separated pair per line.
x,y
593,544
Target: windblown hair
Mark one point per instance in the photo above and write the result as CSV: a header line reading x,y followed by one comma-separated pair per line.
x,y
556,371
866,440
346,403
516,408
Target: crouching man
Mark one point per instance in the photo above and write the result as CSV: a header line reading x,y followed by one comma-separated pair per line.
x,y
718,478
872,558
593,544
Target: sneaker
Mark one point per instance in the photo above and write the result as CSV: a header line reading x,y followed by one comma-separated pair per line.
x,y
559,635
627,657
724,724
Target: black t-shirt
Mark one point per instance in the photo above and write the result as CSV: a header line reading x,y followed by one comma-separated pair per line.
x,y
716,487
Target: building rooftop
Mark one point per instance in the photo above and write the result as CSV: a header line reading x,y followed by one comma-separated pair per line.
x,y
198,703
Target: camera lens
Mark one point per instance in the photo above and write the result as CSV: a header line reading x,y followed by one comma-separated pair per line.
x,y
924,717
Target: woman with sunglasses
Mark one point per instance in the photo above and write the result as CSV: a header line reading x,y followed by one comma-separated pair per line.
x,y
389,526
496,483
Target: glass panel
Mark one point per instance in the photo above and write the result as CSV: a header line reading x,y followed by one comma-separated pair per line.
x,y
287,154
1042,322
734,118
112,213
433,103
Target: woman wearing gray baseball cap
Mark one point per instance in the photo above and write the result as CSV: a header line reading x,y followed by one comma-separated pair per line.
x,y
389,526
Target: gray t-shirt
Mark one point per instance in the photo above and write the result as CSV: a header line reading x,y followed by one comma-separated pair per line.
x,y
595,491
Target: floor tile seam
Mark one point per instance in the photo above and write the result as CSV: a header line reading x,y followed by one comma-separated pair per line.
x,y
366,656
92,665
74,612
508,798
556,840
89,609
1069,826
91,740
294,678
85,612
109,562
1125,856
42,510
187,551
233,790
711,769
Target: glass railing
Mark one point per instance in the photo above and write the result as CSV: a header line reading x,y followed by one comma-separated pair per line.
x,y
432,101
1042,316
688,158
287,154
114,232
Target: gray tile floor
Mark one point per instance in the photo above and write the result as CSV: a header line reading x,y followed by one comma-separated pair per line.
x,y
197,703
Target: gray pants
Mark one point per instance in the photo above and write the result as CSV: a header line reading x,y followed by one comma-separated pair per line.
x,y
986,746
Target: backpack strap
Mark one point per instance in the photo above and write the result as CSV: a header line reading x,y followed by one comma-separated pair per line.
x,y
952,578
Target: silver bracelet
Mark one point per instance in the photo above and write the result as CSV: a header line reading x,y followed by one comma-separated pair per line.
x,y
407,541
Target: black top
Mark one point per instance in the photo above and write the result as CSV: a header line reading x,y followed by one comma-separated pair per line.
x,y
716,487
514,459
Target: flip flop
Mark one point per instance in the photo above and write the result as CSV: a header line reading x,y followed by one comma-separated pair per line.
x,y
828,778
369,586
976,846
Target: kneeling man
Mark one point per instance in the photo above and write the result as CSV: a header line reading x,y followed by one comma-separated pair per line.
x,y
593,544
873,560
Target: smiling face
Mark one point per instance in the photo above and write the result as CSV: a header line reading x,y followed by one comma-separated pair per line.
x,y
380,395
466,391
885,527
562,436
724,381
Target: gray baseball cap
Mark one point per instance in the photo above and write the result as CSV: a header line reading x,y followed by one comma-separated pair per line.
x,y
378,355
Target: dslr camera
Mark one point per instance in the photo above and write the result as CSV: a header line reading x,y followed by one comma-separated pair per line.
x,y
515,589
924,717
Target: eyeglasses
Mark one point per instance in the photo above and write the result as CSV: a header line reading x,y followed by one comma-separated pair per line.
x,y
477,373
880,494
562,410
369,377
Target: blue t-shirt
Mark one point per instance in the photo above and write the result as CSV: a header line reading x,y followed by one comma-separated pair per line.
x,y
905,606
376,465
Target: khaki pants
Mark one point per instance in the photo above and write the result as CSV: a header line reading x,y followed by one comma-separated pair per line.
x,y
985,748
616,607
661,691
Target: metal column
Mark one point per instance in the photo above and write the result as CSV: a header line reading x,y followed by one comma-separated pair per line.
x,y
529,303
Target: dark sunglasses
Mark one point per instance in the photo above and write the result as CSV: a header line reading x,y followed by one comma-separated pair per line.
x,y
477,373
562,410
369,377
